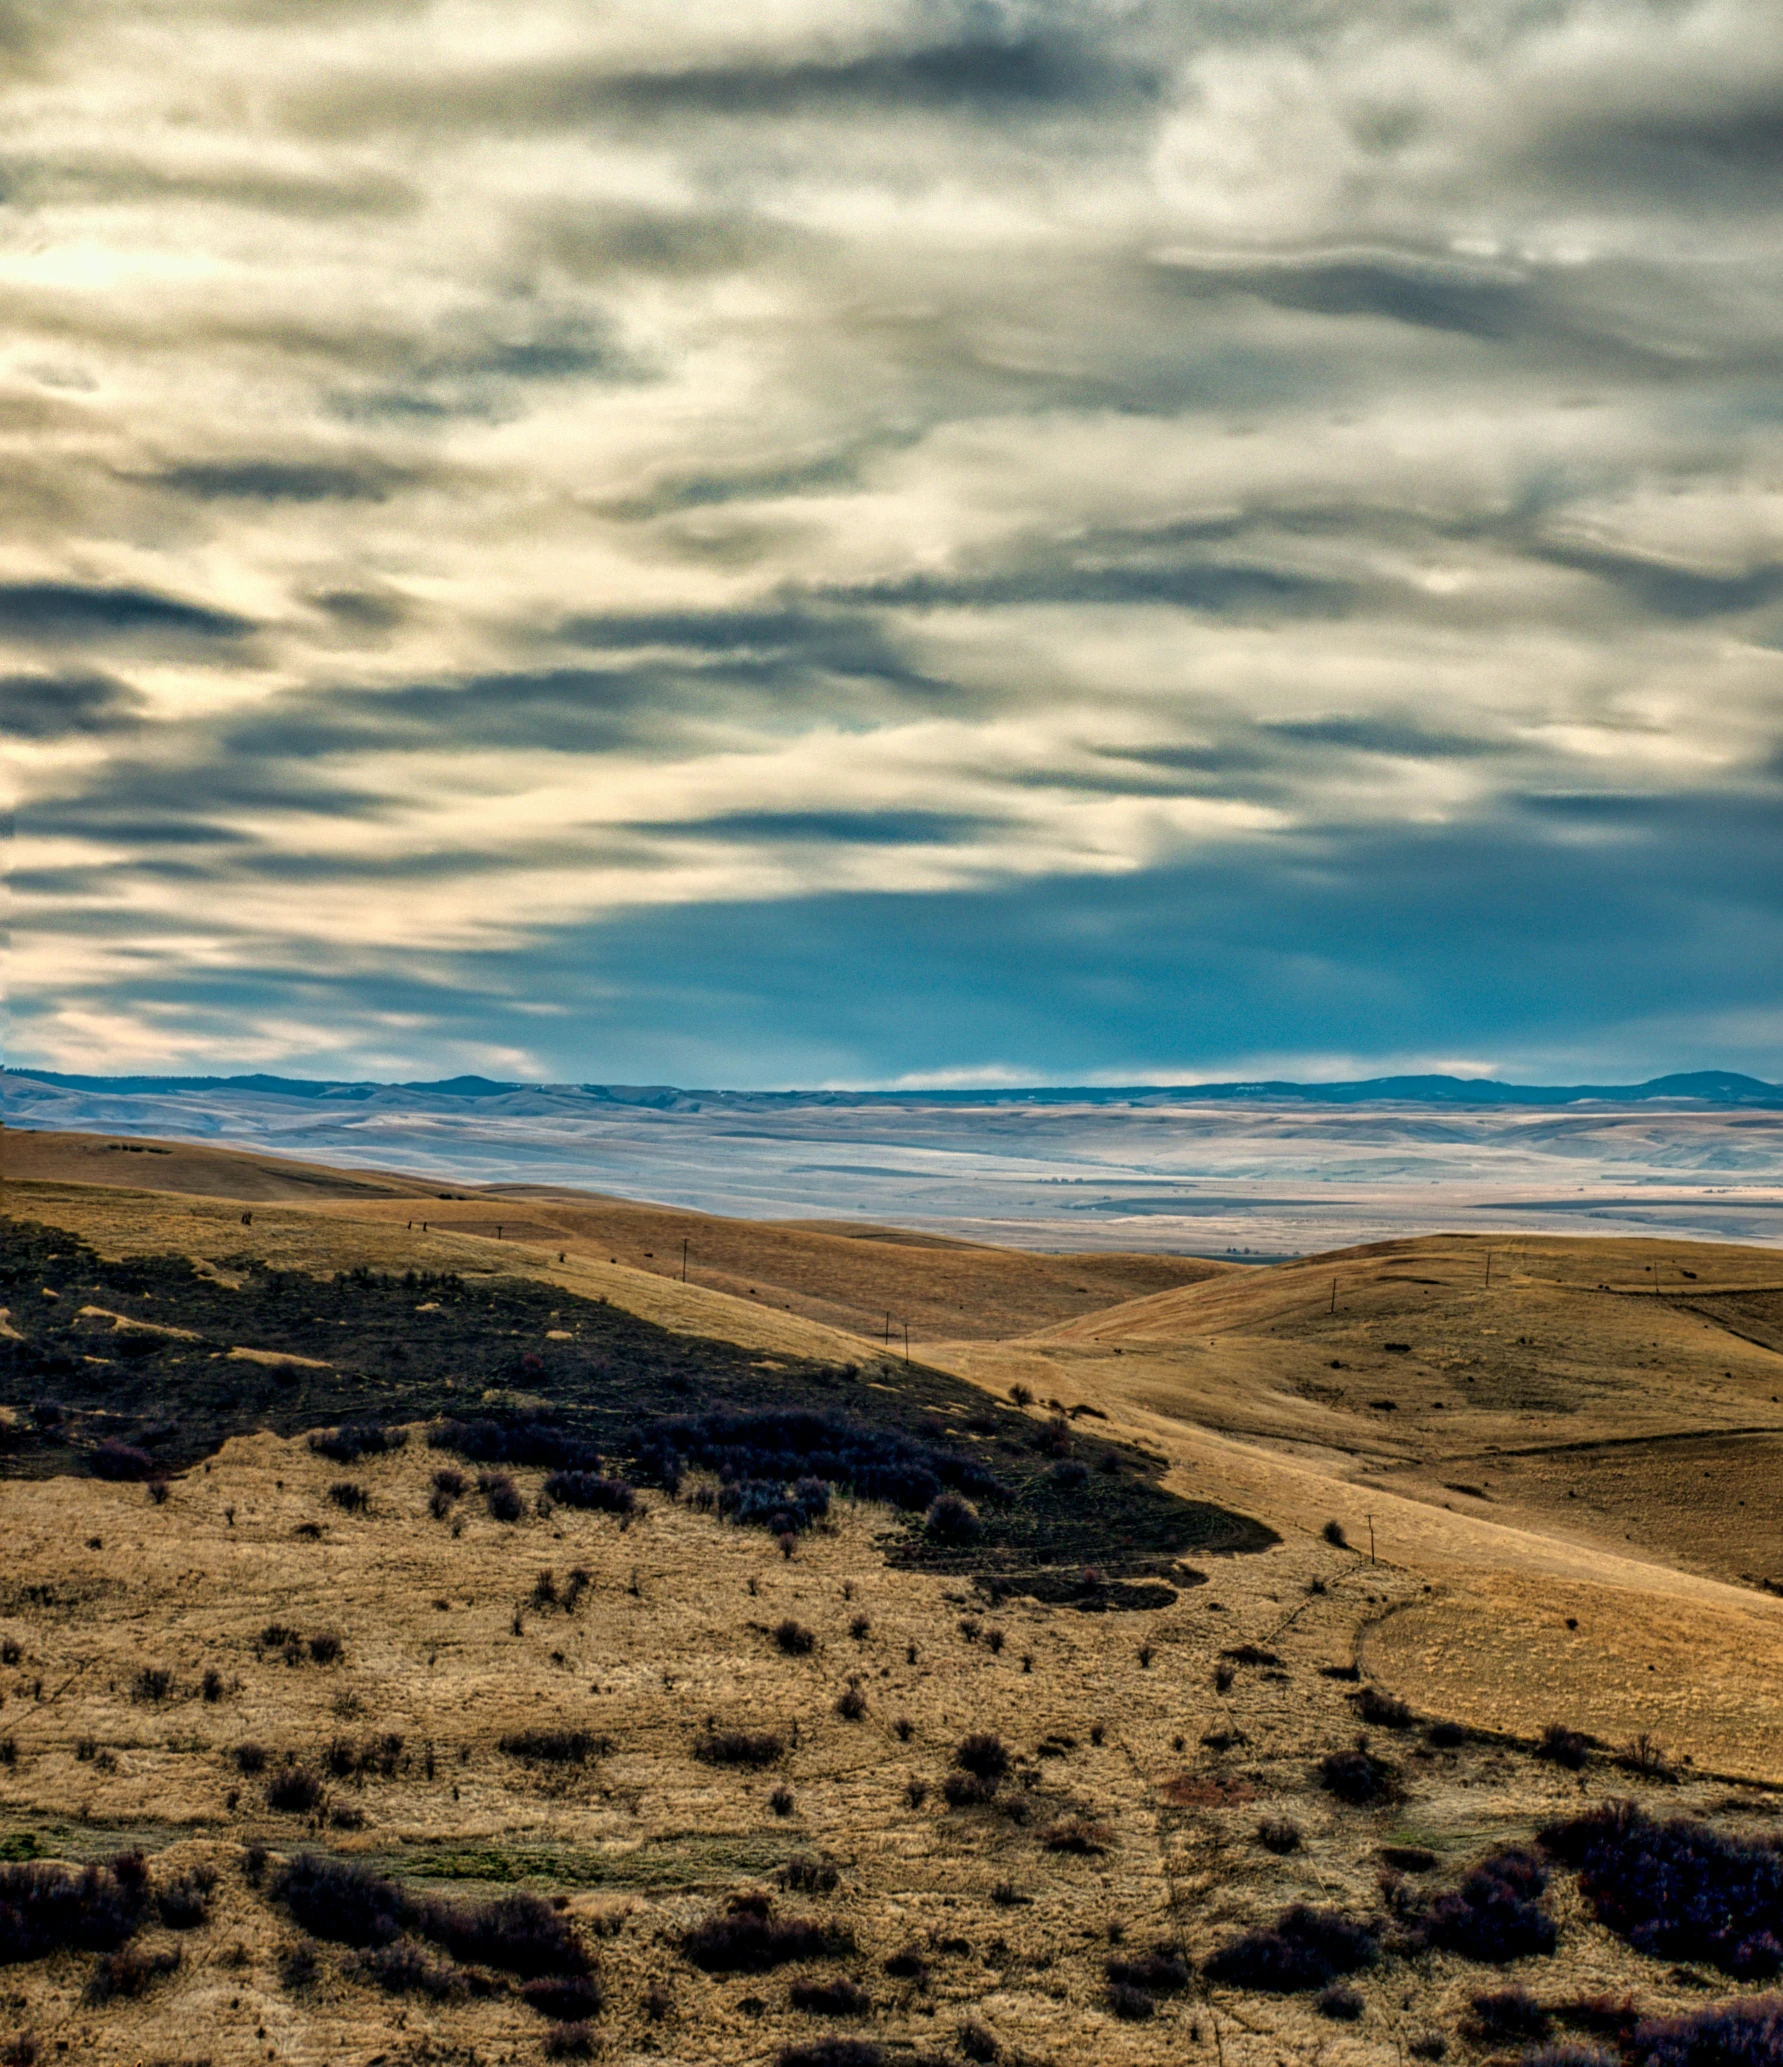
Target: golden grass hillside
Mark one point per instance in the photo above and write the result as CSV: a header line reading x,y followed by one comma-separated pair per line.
x,y
162,1679
875,1282
501,1707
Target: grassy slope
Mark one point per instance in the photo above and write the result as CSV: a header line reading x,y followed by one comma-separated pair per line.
x,y
445,1648
155,1352
855,1279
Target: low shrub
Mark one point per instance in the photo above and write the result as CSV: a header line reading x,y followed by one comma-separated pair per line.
x,y
249,1758
1334,1535
985,1756
298,1966
130,1972
979,2044
152,1683
1564,1747
500,1495
294,1792
554,1747
1506,2016
116,1460
517,1934
806,1874
1358,1777
569,1998
1249,1654
325,1648
1497,1914
757,1455
907,1965
738,1748
349,1495
47,1908
1605,2016
569,2042
1677,1890
184,1903
1080,1836
749,1939
781,1801
404,1969
1304,1949
953,1520
1342,2005
353,1440
1409,1858
350,1905
1734,2034
592,1491
1132,2005
341,1902
840,1997
851,1704
795,1639
1159,1972
1279,1836
1429,2045
832,2052
1382,1711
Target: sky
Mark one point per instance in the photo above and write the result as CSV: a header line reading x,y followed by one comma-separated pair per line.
x,y
891,541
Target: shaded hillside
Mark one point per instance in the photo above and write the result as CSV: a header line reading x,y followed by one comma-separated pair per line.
x,y
170,1361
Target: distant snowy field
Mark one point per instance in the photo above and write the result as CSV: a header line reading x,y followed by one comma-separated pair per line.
x,y
1157,1170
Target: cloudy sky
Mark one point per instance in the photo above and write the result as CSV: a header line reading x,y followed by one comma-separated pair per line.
x,y
884,541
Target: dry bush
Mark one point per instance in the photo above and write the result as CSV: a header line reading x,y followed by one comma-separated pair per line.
x,y
1358,1777
49,1908
569,1998
555,1747
738,1748
1304,1949
747,1938
839,1997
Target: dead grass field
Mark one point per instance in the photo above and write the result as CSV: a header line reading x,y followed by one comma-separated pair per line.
x,y
445,1648
1555,1499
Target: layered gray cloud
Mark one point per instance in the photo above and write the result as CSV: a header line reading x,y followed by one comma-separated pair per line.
x,y
494,488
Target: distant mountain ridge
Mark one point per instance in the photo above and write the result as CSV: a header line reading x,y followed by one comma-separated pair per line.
x,y
1709,1087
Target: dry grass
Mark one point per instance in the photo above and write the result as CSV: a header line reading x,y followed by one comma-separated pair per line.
x,y
645,1840
450,1644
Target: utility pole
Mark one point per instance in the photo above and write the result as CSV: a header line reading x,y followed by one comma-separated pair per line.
x,y
1333,1295
1370,1521
684,1259
906,1342
888,1328
1488,1270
